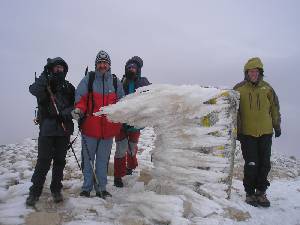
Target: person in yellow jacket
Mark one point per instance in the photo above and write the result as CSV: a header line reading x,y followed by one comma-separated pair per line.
x,y
258,116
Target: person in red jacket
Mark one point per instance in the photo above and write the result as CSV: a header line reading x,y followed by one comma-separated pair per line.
x,y
97,131
127,139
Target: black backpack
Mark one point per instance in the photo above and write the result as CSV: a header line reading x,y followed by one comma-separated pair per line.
x,y
91,75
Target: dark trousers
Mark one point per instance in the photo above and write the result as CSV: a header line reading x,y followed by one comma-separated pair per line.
x,y
257,153
49,148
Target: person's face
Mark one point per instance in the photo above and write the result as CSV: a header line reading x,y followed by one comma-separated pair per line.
x,y
253,75
102,67
132,70
58,69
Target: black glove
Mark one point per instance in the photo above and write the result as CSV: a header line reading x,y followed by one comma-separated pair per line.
x,y
42,80
40,89
125,126
239,137
277,133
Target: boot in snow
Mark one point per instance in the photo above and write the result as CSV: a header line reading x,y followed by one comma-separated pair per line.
x,y
251,199
262,199
31,200
118,182
85,194
103,194
128,171
57,197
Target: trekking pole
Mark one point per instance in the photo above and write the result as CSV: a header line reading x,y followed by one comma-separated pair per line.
x,y
80,122
71,146
55,106
35,120
91,164
62,123
128,143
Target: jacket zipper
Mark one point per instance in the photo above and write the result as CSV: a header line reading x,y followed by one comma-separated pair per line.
x,y
103,104
258,102
250,100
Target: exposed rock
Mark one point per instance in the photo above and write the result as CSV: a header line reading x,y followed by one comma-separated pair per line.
x,y
236,214
145,176
43,218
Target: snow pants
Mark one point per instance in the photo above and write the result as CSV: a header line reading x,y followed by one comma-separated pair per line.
x,y
92,149
256,153
49,148
126,150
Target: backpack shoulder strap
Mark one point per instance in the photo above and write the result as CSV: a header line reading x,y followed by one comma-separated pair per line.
x,y
91,75
115,82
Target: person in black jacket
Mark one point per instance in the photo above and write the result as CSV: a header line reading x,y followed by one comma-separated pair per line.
x,y
55,97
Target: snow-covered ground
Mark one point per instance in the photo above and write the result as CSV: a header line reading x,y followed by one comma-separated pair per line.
x,y
185,184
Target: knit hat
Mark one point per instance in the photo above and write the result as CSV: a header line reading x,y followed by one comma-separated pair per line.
x,y
137,61
102,56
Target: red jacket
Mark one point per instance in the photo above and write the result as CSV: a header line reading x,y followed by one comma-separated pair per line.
x,y
104,94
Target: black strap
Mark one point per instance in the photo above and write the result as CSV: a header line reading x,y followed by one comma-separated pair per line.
x,y
91,75
90,91
115,83
92,78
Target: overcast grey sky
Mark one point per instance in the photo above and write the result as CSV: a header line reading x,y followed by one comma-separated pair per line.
x,y
181,42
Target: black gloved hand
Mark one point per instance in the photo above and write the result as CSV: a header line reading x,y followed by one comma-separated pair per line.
x,y
42,80
40,89
127,127
277,133
239,137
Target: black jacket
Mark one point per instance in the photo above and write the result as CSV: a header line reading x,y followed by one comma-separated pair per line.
x,y
64,93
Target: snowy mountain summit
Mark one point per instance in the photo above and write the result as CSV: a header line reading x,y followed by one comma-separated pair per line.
x,y
189,172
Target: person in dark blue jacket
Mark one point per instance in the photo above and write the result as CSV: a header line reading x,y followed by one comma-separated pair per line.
x,y
55,97
126,142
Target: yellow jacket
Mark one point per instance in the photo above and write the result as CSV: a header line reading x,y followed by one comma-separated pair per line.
x,y
259,109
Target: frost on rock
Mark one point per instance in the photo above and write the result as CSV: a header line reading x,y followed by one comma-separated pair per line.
x,y
195,139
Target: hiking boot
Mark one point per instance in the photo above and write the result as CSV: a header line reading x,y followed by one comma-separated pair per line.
x,y
262,199
57,197
85,194
129,171
103,194
251,200
31,200
118,182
